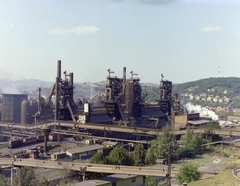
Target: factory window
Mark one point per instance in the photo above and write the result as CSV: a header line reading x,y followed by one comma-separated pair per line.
x,y
133,180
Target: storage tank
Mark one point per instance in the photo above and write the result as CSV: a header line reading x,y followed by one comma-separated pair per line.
x,y
25,112
11,107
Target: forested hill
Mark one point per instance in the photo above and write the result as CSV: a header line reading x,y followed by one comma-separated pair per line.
x,y
203,85
222,92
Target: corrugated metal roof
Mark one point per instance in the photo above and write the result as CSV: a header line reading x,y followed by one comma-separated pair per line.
x,y
198,122
105,180
84,149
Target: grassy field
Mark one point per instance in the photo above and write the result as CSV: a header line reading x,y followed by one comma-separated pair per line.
x,y
223,179
222,158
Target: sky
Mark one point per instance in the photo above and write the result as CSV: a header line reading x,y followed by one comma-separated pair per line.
x,y
185,40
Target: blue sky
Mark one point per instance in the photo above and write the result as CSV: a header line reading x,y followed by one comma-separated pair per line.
x,y
185,40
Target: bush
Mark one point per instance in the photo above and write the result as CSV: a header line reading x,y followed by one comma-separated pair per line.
x,y
186,152
188,173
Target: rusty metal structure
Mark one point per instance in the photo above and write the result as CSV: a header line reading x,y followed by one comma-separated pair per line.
x,y
168,102
64,107
123,102
123,99
11,107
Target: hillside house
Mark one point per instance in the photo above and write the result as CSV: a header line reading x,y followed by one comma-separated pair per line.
x,y
198,98
203,95
209,99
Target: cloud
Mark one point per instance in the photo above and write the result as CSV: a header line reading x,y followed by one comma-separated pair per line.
x,y
212,28
85,30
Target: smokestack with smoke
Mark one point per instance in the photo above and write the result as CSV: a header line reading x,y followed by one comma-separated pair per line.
x,y
203,111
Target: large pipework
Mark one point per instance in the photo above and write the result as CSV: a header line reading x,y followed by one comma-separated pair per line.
x,y
124,75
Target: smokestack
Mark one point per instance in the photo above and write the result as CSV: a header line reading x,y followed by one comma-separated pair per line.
x,y
56,98
59,69
71,84
124,75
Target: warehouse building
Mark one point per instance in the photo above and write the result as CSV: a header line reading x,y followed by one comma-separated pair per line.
x,y
78,153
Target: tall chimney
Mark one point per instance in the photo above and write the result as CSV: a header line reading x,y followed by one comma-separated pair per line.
x,y
124,75
71,84
59,69
56,98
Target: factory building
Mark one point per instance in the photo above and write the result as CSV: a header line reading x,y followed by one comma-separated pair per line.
x,y
78,153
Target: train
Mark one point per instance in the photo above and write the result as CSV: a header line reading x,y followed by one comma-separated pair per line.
x,y
14,143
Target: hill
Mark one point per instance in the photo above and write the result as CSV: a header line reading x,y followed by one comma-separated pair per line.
x,y
222,94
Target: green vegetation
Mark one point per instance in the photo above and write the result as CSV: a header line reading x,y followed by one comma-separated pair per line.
x,y
3,180
25,176
120,156
139,155
221,87
99,158
188,173
224,179
3,145
160,146
191,139
230,83
151,182
150,159
212,125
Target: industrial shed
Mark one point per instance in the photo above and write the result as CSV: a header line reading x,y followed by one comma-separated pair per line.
x,y
114,180
198,123
77,153
58,155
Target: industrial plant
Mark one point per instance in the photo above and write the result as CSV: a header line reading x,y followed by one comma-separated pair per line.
x,y
122,117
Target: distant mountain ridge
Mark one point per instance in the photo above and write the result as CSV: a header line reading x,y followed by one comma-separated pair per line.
x,y
39,83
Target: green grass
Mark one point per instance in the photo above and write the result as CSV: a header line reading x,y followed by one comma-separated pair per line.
x,y
230,159
223,179
4,145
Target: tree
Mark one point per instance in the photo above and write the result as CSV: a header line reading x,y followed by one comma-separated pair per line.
x,y
44,182
191,139
150,160
120,156
212,125
186,152
139,155
188,173
99,158
160,146
25,176
3,180
151,182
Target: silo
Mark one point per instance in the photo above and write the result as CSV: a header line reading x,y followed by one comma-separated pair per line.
x,y
11,107
25,112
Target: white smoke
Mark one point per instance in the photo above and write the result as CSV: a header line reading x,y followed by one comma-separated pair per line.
x,y
203,111
9,88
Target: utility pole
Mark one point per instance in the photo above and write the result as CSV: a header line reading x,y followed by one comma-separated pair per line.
x,y
168,175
